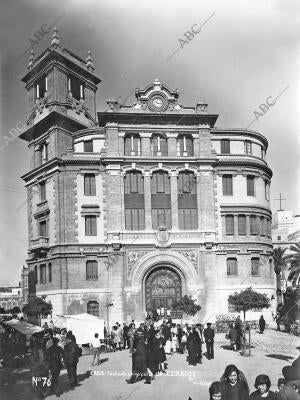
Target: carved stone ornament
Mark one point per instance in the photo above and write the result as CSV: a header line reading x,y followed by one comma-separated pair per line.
x,y
133,257
192,256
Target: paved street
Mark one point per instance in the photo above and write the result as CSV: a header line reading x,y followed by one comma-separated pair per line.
x,y
270,353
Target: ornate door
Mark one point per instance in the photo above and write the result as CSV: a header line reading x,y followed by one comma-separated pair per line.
x,y
163,288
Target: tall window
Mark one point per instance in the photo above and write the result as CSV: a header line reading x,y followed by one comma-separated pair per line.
x,y
90,225
227,185
161,200
42,191
43,153
159,146
253,225
229,225
225,146
89,185
93,308
35,275
263,153
41,88
91,271
43,228
242,225
75,88
247,147
134,201
88,146
255,267
50,272
232,267
187,201
263,226
185,146
250,185
132,145
267,190
271,269
43,272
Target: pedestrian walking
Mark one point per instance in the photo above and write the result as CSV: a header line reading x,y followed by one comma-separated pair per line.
x,y
54,356
71,356
277,319
262,324
166,331
232,336
95,344
125,336
131,332
139,359
209,335
193,346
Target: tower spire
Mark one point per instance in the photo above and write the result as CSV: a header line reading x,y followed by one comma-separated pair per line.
x,y
31,60
55,39
89,62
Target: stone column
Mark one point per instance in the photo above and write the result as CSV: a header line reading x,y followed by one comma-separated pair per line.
x,y
121,143
207,202
112,139
146,144
235,226
196,144
147,197
248,225
205,142
174,200
172,144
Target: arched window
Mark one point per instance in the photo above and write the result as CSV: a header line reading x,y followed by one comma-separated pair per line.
x,y
43,274
93,308
255,270
271,268
187,201
161,200
35,275
185,146
232,269
159,146
134,201
132,145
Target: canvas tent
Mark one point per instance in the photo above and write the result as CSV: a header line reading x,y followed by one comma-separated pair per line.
x,y
83,326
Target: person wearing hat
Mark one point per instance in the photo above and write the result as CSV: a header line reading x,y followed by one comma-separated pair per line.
x,y
53,356
290,391
209,335
139,359
71,356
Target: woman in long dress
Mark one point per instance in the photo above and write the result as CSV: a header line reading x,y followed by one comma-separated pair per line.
x,y
193,345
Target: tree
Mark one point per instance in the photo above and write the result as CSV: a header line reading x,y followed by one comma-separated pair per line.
x,y
37,307
187,305
291,307
294,274
247,300
280,264
2,310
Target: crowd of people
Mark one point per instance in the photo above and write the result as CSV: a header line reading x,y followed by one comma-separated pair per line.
x,y
149,343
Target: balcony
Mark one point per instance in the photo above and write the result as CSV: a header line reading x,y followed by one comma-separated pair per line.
x,y
41,243
41,209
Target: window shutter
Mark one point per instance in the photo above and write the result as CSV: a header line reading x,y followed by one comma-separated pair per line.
x,y
127,148
229,222
242,225
189,146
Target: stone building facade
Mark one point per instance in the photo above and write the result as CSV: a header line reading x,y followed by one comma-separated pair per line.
x,y
138,205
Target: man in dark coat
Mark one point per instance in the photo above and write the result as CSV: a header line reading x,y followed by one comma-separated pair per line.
x,y
262,324
71,356
209,335
239,333
125,336
193,347
139,358
54,355
153,353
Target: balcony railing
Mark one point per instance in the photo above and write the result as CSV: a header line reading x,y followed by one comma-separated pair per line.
x,y
41,242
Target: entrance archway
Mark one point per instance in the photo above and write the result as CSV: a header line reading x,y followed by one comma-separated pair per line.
x,y
163,288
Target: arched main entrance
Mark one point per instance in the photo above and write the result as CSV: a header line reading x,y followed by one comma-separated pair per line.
x,y
163,288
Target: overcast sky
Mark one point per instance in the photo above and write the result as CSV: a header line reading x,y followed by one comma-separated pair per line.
x,y
245,52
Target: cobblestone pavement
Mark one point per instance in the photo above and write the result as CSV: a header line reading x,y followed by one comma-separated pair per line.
x,y
270,352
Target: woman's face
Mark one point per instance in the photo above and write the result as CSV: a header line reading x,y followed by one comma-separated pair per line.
x,y
232,377
216,396
262,388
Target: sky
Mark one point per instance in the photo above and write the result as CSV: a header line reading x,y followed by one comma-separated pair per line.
x,y
246,54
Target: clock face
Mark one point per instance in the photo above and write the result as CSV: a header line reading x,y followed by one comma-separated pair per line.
x,y
158,103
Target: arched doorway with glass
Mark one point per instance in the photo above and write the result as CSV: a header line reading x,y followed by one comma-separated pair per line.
x,y
163,288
